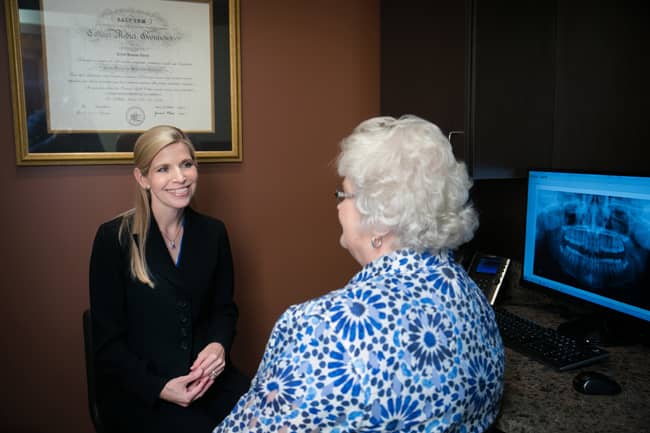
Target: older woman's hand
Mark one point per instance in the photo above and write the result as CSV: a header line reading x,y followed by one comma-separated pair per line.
x,y
211,360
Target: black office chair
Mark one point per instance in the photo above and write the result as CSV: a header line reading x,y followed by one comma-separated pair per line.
x,y
90,374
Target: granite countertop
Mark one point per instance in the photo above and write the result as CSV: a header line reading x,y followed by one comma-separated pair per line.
x,y
539,399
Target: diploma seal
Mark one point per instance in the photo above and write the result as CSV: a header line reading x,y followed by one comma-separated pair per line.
x,y
135,116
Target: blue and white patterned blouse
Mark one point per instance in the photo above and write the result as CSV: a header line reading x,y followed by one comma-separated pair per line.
x,y
409,345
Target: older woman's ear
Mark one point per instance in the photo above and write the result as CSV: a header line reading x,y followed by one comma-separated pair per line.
x,y
384,240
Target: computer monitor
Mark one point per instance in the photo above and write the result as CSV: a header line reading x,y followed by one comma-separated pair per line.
x,y
588,236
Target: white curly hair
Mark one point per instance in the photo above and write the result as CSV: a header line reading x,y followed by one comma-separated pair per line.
x,y
407,181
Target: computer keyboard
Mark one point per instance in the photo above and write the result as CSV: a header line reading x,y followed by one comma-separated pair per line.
x,y
545,344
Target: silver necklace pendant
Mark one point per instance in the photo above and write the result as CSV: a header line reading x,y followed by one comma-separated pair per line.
x,y
172,242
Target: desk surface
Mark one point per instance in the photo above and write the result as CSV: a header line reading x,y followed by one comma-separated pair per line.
x,y
539,399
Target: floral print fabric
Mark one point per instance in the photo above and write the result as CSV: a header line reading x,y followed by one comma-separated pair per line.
x,y
409,345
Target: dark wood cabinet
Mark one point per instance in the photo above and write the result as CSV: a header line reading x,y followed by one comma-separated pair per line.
x,y
546,84
423,48
603,91
511,75
558,85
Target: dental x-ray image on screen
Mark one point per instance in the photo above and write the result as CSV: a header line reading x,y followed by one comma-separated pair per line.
x,y
589,236
591,241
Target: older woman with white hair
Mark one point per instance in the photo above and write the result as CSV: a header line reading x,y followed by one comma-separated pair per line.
x,y
410,344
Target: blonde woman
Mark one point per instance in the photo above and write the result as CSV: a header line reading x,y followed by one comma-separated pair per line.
x,y
161,293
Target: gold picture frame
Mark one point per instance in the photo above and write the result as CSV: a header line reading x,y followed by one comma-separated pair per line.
x,y
39,142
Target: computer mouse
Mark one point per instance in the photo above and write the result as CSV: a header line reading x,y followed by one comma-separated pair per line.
x,y
592,382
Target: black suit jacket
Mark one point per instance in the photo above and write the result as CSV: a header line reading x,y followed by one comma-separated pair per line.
x,y
145,336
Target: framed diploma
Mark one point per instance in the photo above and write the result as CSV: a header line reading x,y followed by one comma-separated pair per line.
x,y
88,76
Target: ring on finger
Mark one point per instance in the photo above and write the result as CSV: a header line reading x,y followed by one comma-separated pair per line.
x,y
213,375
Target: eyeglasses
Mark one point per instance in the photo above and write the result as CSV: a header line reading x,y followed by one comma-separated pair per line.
x,y
342,195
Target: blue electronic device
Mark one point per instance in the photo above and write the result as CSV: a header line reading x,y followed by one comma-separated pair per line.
x,y
588,236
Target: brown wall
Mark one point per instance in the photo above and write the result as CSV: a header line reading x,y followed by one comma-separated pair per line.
x,y
310,73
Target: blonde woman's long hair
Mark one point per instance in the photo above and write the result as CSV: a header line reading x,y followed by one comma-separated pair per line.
x,y
135,222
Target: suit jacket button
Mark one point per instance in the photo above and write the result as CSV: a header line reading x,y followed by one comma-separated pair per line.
x,y
184,345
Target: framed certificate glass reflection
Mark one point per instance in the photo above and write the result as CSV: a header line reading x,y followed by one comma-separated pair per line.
x,y
89,76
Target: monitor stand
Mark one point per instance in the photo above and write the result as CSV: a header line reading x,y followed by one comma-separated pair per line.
x,y
604,329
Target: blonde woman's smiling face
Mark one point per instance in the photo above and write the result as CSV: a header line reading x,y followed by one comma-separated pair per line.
x,y
172,177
